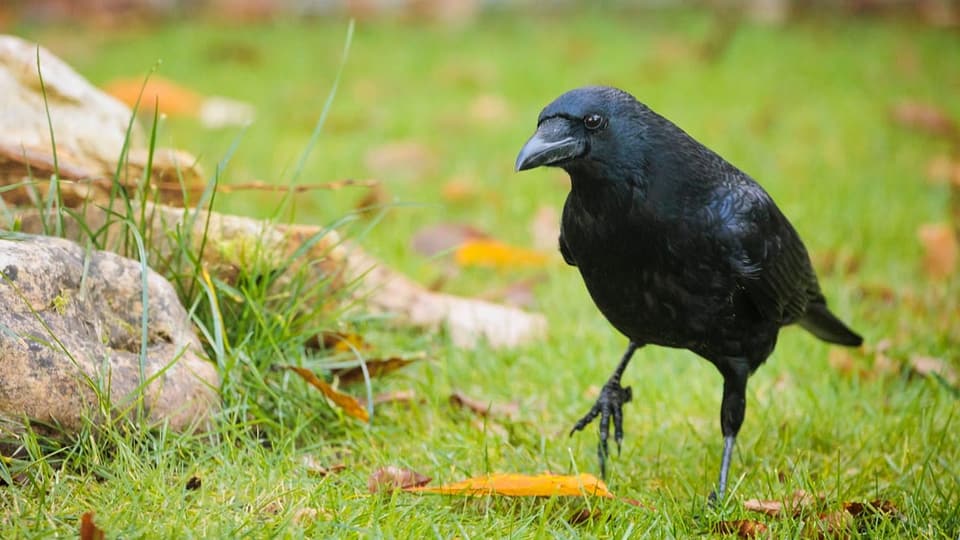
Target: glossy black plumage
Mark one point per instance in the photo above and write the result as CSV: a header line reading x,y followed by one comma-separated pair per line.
x,y
676,246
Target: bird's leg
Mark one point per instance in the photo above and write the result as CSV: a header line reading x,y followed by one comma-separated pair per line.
x,y
731,418
610,404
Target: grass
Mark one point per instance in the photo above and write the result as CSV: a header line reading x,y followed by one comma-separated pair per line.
x,y
803,108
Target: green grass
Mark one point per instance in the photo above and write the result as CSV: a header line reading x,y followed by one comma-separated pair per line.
x,y
803,108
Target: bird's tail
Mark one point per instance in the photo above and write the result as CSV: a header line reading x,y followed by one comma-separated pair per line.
x,y
825,325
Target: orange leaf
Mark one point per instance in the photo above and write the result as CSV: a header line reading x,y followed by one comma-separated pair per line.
x,y
940,249
375,368
88,529
521,485
349,404
172,98
492,253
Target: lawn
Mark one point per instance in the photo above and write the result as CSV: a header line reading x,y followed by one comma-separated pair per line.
x,y
803,108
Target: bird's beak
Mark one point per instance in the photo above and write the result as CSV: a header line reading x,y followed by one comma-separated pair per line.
x,y
550,145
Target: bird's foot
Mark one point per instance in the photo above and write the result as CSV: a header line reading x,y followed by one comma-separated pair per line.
x,y
609,405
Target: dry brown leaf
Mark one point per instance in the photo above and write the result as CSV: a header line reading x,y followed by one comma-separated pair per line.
x,y
522,485
376,367
495,254
583,515
940,249
924,117
837,524
545,228
875,507
314,467
484,408
436,239
401,159
744,528
390,478
338,342
171,98
796,504
349,404
194,483
399,396
928,365
489,109
88,529
372,201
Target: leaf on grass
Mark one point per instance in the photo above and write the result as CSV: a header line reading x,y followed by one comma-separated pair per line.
x,y
171,98
928,366
521,485
495,254
876,507
194,483
940,249
387,479
744,528
314,467
545,229
795,505
583,515
349,404
399,396
372,201
836,524
338,342
376,367
442,237
923,117
88,529
484,408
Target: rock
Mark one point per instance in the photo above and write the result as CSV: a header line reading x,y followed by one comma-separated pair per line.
x,y
89,127
71,328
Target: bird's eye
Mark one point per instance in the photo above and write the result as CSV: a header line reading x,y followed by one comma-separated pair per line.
x,y
593,121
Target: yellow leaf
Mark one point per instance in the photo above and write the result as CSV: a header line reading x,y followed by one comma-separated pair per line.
x,y
522,485
492,253
349,404
171,98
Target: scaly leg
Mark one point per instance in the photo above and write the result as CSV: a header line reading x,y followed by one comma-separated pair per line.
x,y
732,412
610,404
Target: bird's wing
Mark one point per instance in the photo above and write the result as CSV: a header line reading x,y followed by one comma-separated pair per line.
x,y
764,251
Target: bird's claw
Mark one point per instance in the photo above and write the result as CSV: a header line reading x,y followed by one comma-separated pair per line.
x,y
609,405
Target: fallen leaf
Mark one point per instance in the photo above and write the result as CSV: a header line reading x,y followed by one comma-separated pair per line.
x,y
837,524
484,408
337,342
88,529
401,159
940,249
436,239
744,528
518,293
391,478
399,396
171,98
545,228
372,201
459,189
923,117
489,109
495,254
583,515
376,367
521,485
928,365
873,508
349,404
314,467
487,425
194,483
795,505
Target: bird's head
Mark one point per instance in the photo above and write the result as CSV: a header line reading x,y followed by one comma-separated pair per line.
x,y
590,127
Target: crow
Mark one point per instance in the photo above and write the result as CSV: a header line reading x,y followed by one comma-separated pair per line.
x,y
677,248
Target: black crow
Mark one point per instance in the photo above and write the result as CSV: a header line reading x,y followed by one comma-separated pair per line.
x,y
677,248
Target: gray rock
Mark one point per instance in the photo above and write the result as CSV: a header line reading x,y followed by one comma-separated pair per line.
x,y
70,331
